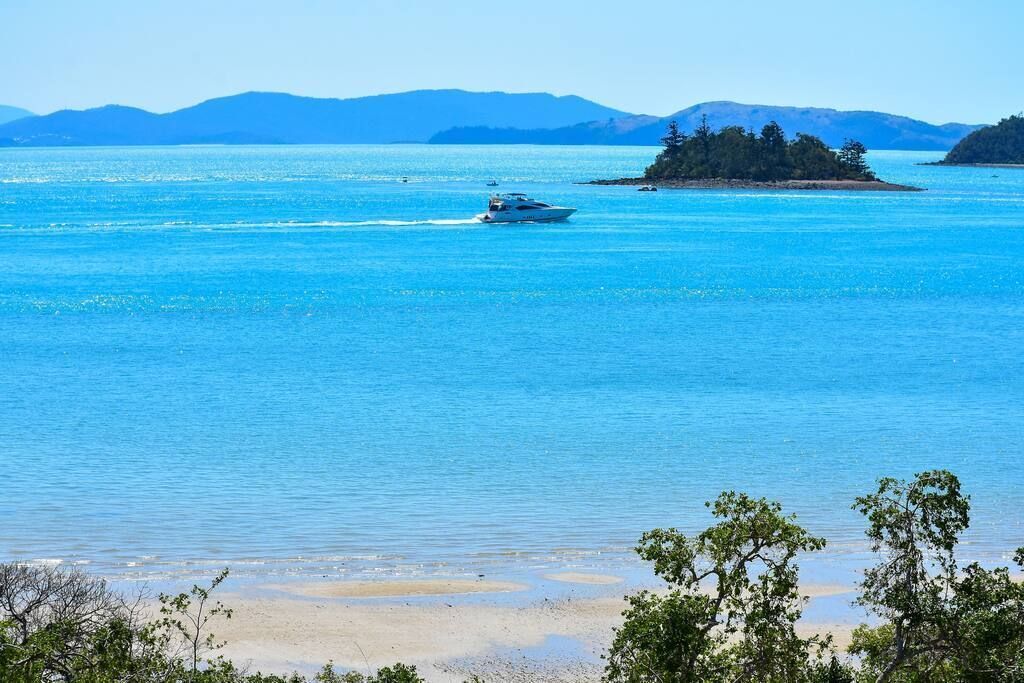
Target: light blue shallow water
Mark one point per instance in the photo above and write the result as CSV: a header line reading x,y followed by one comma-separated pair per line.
x,y
282,359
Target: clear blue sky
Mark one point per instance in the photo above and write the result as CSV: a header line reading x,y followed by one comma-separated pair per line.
x,y
938,60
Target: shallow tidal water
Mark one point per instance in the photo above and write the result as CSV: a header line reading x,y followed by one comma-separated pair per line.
x,y
285,360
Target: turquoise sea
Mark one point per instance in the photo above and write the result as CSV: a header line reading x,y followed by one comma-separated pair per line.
x,y
285,360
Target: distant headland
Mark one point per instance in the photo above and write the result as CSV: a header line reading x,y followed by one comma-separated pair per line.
x,y
877,130
999,146
446,117
734,158
281,118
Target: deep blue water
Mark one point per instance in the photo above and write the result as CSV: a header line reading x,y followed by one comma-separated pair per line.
x,y
282,356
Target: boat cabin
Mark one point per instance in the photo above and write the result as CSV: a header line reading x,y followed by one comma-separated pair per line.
x,y
514,201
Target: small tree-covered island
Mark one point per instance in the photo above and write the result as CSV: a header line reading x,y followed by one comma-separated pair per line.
x,y
998,145
736,158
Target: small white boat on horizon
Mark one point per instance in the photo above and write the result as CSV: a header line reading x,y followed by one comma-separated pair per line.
x,y
516,207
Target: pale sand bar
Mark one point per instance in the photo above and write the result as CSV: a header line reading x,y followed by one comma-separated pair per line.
x,y
368,624
587,579
397,589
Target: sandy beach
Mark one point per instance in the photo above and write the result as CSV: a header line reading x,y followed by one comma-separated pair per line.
x,y
449,628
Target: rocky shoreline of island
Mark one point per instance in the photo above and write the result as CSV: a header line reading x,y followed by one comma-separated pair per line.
x,y
732,158
970,165
743,184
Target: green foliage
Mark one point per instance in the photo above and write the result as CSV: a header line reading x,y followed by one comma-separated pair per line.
x,y
999,144
59,626
832,671
329,675
673,138
737,154
731,611
812,159
774,161
397,673
939,623
851,157
186,616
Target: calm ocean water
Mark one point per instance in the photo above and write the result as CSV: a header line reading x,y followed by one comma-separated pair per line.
x,y
283,359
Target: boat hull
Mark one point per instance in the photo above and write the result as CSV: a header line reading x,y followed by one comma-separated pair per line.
x,y
544,216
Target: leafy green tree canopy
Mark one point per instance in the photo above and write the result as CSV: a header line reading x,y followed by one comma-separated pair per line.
x,y
730,613
939,623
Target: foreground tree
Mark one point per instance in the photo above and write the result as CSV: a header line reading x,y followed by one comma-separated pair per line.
x,y
734,601
940,623
398,673
60,626
185,619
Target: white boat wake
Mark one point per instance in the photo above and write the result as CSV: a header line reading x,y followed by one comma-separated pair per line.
x,y
370,223
129,226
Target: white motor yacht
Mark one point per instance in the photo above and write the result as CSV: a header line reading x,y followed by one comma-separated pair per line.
x,y
516,207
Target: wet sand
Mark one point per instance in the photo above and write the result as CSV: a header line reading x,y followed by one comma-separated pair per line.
x,y
587,579
475,627
396,589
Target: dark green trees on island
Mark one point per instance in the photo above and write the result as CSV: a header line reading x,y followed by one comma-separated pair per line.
x,y
734,153
999,144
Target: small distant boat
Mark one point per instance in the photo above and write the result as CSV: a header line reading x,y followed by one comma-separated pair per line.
x,y
516,207
647,188
493,183
405,179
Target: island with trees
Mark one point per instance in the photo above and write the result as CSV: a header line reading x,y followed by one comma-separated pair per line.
x,y
736,158
999,145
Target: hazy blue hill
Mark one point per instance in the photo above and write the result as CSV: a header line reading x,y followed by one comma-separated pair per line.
x,y
282,118
875,129
110,125
450,116
8,113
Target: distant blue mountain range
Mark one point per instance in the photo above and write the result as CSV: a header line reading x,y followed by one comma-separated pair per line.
x,y
446,116
280,118
12,113
876,130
